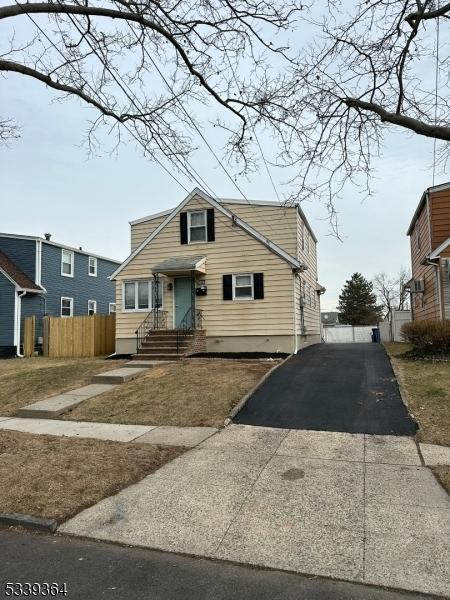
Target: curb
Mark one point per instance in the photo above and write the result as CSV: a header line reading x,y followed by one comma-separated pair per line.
x,y
239,406
28,521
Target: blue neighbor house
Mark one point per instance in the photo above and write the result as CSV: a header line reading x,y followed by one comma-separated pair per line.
x,y
40,277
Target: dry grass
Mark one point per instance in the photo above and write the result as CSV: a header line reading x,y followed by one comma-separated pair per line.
x,y
187,393
442,473
427,386
23,380
57,477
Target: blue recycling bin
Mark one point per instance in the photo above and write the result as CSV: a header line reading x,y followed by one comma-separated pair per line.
x,y
376,335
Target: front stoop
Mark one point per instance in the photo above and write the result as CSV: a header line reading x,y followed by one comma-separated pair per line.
x,y
162,345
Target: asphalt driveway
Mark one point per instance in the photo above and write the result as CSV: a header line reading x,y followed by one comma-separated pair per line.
x,y
332,387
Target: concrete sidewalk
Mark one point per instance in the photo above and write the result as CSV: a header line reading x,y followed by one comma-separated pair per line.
x,y
142,434
346,506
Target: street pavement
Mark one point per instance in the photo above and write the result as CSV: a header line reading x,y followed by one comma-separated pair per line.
x,y
94,570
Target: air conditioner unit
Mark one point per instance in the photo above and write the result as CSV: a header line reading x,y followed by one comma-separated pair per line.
x,y
418,285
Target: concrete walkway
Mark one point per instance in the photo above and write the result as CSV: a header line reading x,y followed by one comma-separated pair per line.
x,y
142,434
54,406
347,506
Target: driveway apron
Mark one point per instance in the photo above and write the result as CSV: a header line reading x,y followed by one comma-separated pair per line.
x,y
332,387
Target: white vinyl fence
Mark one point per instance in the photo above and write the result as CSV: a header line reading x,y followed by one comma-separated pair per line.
x,y
347,334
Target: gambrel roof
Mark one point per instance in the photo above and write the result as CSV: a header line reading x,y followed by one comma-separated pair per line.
x,y
291,260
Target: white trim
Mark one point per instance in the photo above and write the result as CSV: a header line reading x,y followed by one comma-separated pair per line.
x,y
150,283
72,262
94,274
197,192
439,249
109,308
164,213
233,286
95,306
204,226
71,306
16,236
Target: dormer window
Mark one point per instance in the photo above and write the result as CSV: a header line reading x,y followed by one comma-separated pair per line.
x,y
197,226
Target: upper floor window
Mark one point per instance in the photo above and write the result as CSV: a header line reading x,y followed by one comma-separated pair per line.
x,y
92,307
302,235
67,263
66,307
197,226
139,295
243,287
92,266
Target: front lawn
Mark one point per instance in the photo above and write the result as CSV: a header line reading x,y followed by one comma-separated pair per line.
x,y
57,477
185,393
24,380
427,386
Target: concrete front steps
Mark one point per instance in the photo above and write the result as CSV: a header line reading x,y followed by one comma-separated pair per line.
x,y
163,346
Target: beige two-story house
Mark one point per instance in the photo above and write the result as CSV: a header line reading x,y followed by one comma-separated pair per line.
x,y
238,276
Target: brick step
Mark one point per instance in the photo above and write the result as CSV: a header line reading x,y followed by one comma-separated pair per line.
x,y
159,357
162,350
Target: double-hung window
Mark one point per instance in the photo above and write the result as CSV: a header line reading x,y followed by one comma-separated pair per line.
x,y
197,230
67,263
92,307
139,295
92,266
66,307
243,288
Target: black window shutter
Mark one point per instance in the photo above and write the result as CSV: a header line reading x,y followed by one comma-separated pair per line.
x,y
258,283
228,287
210,224
183,228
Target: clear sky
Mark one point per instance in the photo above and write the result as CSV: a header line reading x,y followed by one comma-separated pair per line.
x,y
50,185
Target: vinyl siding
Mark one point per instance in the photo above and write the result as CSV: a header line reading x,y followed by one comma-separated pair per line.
x,y
7,299
308,255
440,217
233,251
277,223
424,306
140,231
21,252
81,287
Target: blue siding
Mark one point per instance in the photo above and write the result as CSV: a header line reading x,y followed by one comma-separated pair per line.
x,y
7,293
81,287
21,252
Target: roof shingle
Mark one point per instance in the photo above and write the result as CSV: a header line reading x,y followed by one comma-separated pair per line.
x,y
17,275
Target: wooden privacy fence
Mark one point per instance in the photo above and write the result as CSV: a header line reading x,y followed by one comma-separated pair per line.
x,y
79,337
29,333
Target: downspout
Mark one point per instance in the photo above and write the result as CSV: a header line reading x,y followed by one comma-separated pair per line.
x,y
295,349
19,317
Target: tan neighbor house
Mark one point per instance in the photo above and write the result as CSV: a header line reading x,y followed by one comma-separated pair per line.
x,y
429,234
244,273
